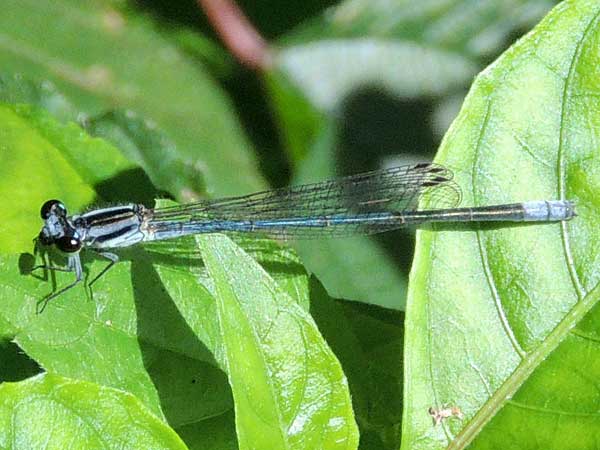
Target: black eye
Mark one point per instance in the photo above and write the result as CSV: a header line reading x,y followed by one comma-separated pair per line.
x,y
68,244
47,208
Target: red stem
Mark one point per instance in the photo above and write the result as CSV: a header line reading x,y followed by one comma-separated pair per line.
x,y
237,33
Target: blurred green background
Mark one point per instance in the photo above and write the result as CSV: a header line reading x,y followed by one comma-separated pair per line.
x,y
354,85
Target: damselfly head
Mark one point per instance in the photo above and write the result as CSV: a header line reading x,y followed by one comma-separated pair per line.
x,y
57,229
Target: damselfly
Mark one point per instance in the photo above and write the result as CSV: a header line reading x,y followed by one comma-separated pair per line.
x,y
367,203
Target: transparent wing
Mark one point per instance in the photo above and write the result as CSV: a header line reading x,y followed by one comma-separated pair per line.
x,y
366,203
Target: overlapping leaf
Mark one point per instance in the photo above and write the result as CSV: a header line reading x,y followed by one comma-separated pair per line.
x,y
289,389
501,319
167,347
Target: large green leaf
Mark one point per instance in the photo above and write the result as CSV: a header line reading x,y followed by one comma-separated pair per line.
x,y
52,412
289,389
502,322
102,59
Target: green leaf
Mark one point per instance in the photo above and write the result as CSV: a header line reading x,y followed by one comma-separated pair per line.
x,y
502,322
102,59
52,412
368,342
289,390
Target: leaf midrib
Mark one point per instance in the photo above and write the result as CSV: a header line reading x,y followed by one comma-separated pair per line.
x,y
524,370
227,290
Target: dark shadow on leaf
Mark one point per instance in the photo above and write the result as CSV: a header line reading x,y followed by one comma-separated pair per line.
x,y
271,255
176,259
29,265
128,186
214,433
26,263
158,319
16,365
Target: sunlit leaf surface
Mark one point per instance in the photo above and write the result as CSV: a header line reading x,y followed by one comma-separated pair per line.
x,y
52,412
501,321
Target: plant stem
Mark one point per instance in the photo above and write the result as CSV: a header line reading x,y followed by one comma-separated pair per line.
x,y
237,33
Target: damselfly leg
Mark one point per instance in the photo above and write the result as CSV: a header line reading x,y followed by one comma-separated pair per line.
x,y
113,260
73,265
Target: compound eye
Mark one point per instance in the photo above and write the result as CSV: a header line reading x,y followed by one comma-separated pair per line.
x,y
47,208
68,244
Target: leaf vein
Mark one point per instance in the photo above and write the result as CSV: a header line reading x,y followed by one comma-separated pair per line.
x,y
524,370
580,334
256,338
577,284
552,411
525,146
430,328
485,259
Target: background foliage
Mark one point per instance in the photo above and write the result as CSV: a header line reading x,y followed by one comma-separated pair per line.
x,y
214,344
